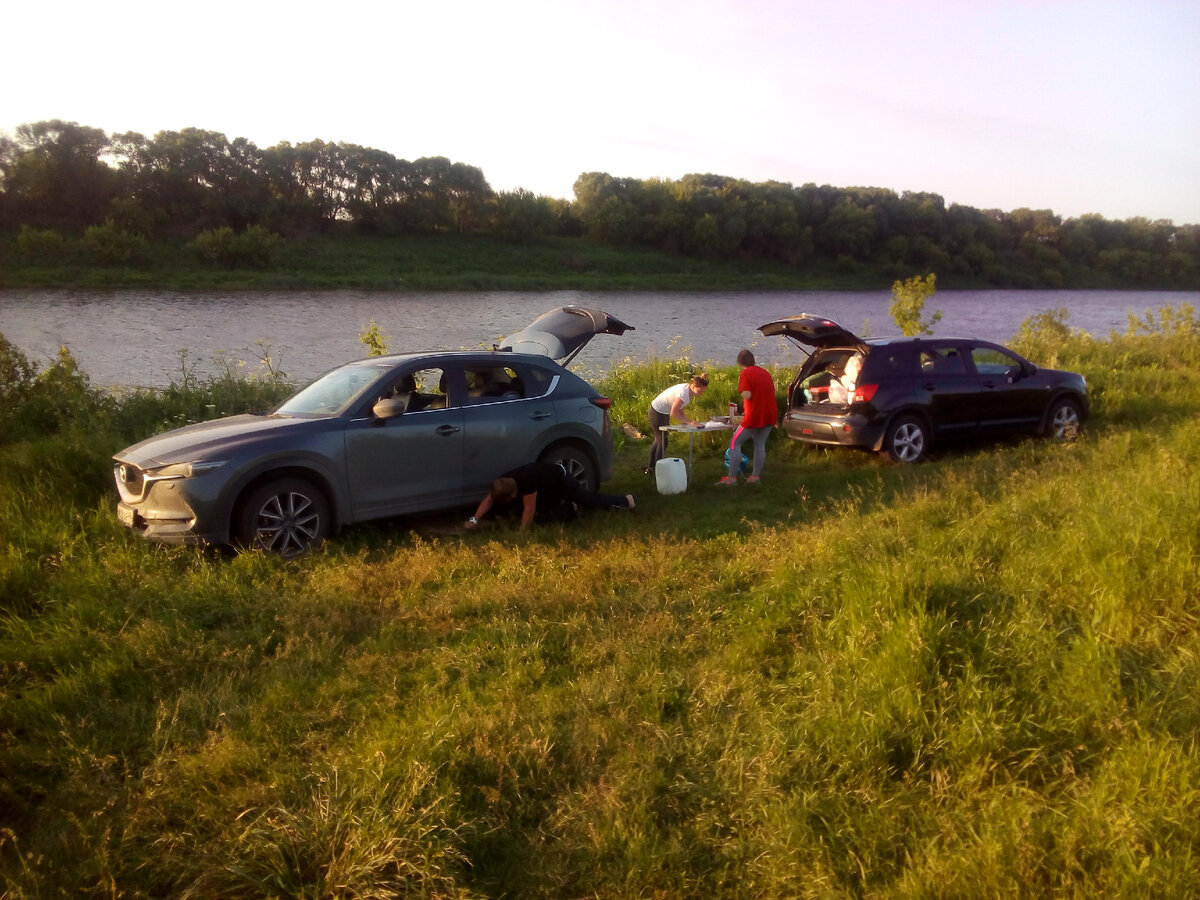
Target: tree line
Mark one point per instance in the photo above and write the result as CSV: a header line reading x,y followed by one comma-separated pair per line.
x,y
62,178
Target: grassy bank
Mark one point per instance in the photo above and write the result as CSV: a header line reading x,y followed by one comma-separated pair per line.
x,y
445,262
978,676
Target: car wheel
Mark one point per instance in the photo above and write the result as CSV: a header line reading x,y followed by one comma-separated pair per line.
x,y
577,463
907,440
287,517
1064,420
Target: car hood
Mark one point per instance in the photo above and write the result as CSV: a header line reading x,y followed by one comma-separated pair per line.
x,y
812,331
210,440
561,333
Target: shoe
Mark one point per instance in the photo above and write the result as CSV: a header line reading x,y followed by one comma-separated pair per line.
x,y
728,482
646,471
752,479
632,498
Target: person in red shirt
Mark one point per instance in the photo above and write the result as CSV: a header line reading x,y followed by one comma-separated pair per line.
x,y
762,412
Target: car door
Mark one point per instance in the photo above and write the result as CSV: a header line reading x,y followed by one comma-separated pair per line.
x,y
413,461
508,409
949,388
1009,398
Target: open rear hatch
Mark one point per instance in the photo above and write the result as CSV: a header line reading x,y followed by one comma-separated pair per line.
x,y
811,332
561,333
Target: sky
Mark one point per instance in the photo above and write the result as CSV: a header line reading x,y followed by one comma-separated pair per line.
x,y
1077,106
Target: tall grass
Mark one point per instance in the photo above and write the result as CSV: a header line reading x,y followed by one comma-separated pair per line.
x,y
973,677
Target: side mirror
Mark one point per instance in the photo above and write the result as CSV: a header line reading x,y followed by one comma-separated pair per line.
x,y
389,408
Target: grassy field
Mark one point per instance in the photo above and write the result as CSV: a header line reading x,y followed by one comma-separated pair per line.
x,y
974,677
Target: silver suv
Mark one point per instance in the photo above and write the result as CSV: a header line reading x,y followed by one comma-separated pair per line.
x,y
375,438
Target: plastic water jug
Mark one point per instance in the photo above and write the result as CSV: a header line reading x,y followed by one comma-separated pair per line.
x,y
671,474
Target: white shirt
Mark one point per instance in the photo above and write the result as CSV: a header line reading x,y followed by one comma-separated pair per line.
x,y
664,401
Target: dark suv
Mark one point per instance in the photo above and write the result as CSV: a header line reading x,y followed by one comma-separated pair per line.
x,y
900,395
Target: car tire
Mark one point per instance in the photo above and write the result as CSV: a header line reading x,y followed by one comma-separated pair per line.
x,y
577,462
286,517
907,439
1064,420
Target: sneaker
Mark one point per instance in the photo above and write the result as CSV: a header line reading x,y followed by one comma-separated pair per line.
x,y
752,479
728,482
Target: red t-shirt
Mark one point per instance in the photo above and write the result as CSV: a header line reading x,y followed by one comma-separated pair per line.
x,y
761,408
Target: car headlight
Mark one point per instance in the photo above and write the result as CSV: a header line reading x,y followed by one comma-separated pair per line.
x,y
184,470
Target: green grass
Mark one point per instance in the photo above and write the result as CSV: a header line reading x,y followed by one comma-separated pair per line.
x,y
445,262
978,676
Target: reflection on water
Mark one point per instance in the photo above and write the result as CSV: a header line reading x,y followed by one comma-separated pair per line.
x,y
136,337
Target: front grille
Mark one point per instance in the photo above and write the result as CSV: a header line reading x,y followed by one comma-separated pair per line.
x,y
131,481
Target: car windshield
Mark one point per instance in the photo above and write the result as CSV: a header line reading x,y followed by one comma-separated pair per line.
x,y
331,394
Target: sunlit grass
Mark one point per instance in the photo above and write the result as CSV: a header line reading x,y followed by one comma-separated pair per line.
x,y
973,677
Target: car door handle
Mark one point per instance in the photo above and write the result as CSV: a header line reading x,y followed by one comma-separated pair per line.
x,y
929,385
539,415
445,430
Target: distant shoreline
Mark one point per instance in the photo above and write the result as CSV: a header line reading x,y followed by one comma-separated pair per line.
x,y
475,263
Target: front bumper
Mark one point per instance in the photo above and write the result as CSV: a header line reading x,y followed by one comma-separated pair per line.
x,y
168,511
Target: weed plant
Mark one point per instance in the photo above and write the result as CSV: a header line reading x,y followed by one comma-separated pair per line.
x,y
974,677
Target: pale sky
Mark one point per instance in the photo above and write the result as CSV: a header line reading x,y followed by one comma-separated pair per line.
x,y
1078,106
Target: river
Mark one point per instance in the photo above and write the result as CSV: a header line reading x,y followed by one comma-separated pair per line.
x,y
137,337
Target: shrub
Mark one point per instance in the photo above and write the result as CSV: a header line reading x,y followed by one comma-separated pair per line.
x,y
110,245
373,338
36,403
36,245
17,378
908,304
215,246
254,248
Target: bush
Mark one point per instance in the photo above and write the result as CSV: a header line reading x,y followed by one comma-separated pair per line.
x,y
908,305
254,248
36,245
110,245
215,246
58,399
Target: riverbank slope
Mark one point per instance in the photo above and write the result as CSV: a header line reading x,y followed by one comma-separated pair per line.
x,y
467,262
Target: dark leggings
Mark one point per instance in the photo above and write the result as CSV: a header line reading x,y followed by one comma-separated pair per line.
x,y
575,495
658,449
578,494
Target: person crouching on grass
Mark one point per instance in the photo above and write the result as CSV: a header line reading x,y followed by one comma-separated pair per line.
x,y
762,412
547,492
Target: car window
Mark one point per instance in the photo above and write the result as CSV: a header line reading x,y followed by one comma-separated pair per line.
x,y
491,383
994,361
887,361
942,361
420,390
330,394
537,381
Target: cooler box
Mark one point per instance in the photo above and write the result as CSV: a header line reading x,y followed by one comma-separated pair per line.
x,y
671,474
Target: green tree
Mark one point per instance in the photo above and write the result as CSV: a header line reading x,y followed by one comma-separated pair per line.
x,y
521,215
53,176
908,305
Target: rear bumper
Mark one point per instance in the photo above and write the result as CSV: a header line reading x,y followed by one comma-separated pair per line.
x,y
839,431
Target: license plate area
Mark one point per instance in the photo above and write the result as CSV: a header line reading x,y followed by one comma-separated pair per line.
x,y
126,514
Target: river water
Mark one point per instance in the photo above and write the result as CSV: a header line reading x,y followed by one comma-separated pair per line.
x,y
136,337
